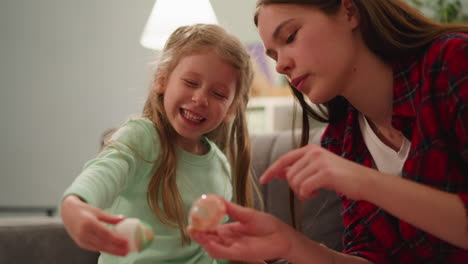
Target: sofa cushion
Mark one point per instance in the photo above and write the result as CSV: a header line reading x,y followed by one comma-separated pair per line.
x,y
39,240
320,216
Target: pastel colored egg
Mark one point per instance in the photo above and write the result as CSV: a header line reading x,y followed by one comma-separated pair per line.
x,y
207,212
139,234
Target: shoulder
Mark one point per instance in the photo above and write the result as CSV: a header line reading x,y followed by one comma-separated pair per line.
x,y
216,150
438,73
135,127
138,134
437,56
450,44
218,154
433,86
447,54
447,67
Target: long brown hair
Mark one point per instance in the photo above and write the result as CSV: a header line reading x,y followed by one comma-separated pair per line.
x,y
232,138
391,29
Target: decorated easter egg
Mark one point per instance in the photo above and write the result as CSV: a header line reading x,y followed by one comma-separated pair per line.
x,y
207,212
139,234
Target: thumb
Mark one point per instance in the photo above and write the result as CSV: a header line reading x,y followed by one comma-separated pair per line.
x,y
237,212
109,218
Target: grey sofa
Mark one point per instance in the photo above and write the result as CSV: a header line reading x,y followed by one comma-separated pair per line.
x,y
44,240
320,216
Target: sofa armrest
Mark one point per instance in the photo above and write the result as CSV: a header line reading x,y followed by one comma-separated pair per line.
x,y
39,240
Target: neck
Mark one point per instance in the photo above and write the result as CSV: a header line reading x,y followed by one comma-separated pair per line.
x,y
371,93
193,146
371,89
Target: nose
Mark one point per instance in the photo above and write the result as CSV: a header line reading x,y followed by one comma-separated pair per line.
x,y
284,64
200,98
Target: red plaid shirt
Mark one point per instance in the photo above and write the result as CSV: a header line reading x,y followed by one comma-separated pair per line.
x,y
430,108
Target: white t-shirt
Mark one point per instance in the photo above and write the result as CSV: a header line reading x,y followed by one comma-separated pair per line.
x,y
385,158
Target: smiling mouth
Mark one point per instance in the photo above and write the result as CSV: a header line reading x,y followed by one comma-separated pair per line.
x,y
192,116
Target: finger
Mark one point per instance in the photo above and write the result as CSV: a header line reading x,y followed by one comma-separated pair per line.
x,y
235,227
113,250
228,235
301,176
94,243
237,212
303,161
192,232
203,237
297,169
249,221
253,225
115,247
109,237
310,187
108,218
219,251
278,167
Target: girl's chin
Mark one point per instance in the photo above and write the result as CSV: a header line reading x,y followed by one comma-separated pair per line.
x,y
187,134
318,98
314,99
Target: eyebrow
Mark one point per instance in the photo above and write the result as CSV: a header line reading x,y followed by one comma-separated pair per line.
x,y
276,34
279,27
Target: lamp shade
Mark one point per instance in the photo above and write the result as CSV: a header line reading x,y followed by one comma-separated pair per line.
x,y
167,15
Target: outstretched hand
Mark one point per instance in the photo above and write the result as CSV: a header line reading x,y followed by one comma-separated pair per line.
x,y
85,224
254,237
312,167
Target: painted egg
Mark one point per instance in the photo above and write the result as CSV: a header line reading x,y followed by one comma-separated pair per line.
x,y
139,234
207,212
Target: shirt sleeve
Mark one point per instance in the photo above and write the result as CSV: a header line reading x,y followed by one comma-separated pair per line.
x,y
457,71
364,222
105,176
456,58
464,199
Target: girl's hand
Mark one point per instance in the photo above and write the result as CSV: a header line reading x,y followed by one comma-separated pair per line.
x,y
84,223
255,237
312,167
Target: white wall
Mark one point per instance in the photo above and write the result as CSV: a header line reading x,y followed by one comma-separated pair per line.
x,y
237,17
68,71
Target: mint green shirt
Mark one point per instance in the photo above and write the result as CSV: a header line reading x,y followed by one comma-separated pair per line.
x,y
117,181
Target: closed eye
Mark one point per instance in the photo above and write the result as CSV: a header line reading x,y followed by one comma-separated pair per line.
x,y
219,95
291,37
191,83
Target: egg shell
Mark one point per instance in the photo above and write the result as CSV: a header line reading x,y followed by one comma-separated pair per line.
x,y
207,212
138,234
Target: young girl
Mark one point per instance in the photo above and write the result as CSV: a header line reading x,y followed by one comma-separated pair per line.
x,y
394,89
155,166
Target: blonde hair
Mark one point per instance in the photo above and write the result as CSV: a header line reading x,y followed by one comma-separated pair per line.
x,y
232,138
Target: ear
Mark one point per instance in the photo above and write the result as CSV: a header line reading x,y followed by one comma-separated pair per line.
x,y
160,83
231,113
351,13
